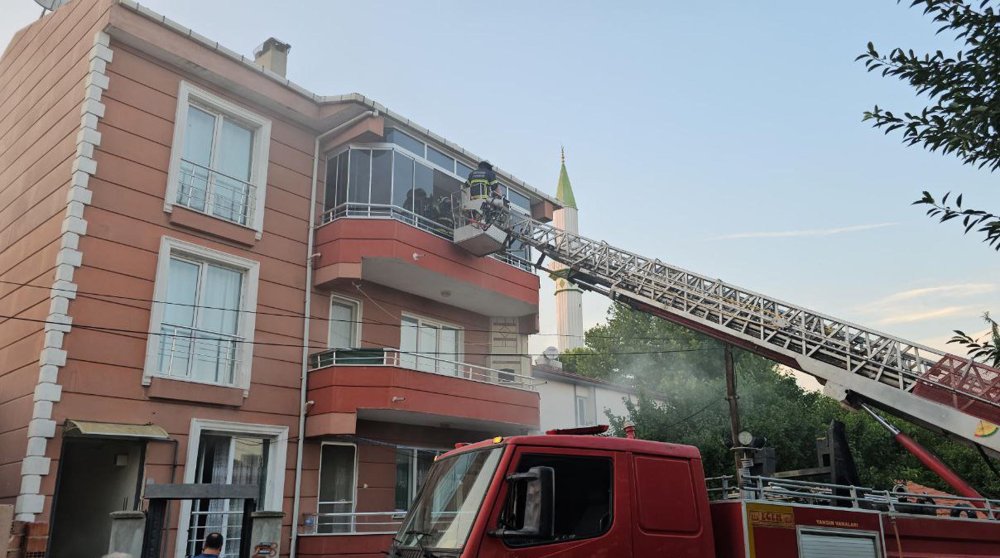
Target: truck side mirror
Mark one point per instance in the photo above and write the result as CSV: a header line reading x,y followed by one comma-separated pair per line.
x,y
528,512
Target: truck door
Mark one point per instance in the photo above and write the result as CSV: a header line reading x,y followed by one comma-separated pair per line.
x,y
591,514
672,515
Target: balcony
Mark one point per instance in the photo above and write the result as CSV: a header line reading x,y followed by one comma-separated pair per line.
x,y
410,388
400,249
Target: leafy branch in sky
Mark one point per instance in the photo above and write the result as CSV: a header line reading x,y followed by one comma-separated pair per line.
x,y
972,219
983,349
962,117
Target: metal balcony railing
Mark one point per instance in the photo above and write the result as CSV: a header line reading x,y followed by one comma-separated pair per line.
x,y
421,363
789,491
443,230
187,352
209,191
352,523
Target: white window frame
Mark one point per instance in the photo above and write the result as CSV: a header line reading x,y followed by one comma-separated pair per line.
x,y
588,395
354,482
413,470
431,322
357,304
421,321
248,309
580,408
187,95
274,486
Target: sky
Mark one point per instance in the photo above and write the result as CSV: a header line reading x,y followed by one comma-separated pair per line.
x,y
723,137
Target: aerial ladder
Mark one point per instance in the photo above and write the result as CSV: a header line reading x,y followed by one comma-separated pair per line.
x,y
857,365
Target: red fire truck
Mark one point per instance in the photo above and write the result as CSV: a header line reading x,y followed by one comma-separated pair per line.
x,y
572,495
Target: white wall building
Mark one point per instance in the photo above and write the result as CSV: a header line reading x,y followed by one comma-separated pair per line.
x,y
570,400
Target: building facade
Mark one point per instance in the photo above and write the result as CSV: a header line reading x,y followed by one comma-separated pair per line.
x,y
210,275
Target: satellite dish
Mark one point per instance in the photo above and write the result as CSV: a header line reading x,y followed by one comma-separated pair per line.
x,y
51,5
551,353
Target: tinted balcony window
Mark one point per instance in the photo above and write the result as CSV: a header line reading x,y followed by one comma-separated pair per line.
x,y
330,188
462,170
342,178
381,192
402,181
440,159
360,172
423,188
518,199
405,141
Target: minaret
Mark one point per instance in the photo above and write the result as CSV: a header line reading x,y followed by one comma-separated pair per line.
x,y
569,309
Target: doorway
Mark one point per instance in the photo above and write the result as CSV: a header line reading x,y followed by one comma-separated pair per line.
x,y
96,477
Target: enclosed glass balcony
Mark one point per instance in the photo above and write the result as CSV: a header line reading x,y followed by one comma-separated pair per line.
x,y
389,181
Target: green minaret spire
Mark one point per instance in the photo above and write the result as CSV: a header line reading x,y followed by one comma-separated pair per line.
x,y
564,191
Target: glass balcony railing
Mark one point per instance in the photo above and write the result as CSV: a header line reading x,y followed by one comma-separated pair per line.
x,y
421,363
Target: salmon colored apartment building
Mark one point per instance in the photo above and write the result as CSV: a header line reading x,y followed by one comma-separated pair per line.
x,y
210,275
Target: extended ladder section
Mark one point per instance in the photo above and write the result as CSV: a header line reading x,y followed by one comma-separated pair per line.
x,y
938,390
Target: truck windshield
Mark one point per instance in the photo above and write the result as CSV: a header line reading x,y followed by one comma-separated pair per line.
x,y
443,514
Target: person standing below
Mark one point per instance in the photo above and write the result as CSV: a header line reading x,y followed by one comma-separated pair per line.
x,y
212,546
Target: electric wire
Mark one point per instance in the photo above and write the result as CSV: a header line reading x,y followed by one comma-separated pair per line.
x,y
104,296
143,335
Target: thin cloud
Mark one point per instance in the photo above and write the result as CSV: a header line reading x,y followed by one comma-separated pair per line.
x,y
919,316
956,290
806,232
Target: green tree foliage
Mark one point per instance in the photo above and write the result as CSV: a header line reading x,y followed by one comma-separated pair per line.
x,y
962,117
680,376
986,349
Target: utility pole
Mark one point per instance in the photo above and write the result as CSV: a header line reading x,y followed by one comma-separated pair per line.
x,y
734,409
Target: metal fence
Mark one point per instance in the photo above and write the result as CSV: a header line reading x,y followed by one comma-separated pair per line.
x,y
421,363
188,352
353,523
787,491
210,191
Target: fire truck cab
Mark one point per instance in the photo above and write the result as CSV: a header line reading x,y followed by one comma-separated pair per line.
x,y
586,496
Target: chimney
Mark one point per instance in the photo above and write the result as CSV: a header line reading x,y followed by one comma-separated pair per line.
x,y
273,55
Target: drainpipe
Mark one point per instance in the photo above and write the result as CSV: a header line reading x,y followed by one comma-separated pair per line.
x,y
303,389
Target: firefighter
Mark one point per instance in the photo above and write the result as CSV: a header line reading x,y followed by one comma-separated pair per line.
x,y
482,182
482,195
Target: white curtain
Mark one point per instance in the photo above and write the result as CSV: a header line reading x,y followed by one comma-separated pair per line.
x,y
220,299
226,460
408,342
427,342
342,326
198,136
233,160
178,317
448,347
336,487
